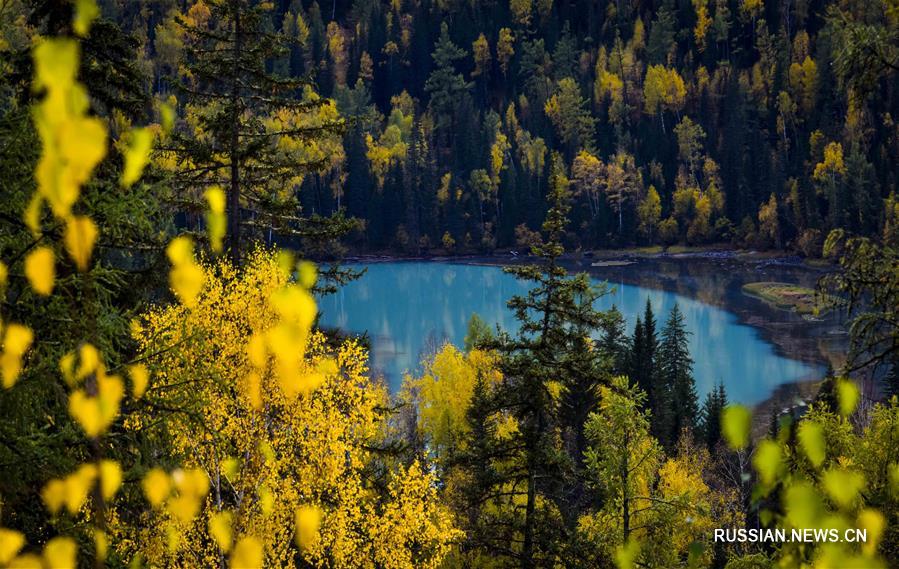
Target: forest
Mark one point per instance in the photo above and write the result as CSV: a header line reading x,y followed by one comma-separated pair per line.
x,y
181,179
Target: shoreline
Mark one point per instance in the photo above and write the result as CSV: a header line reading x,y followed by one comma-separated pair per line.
x,y
817,342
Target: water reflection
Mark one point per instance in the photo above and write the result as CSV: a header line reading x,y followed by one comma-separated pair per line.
x,y
411,308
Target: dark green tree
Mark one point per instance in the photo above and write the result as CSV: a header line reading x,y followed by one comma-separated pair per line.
x,y
254,125
675,379
552,373
709,424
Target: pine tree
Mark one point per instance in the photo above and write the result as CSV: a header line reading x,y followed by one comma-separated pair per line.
x,y
675,378
709,426
254,132
551,370
445,85
613,341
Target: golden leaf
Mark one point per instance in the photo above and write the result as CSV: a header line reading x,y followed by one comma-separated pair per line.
x,y
40,270
247,553
137,155
220,529
80,237
157,485
308,521
11,542
86,11
140,377
110,478
60,553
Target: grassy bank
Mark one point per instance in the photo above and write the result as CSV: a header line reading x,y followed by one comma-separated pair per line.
x,y
786,296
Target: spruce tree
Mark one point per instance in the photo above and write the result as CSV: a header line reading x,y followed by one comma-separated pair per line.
x,y
613,341
675,378
552,372
709,426
252,132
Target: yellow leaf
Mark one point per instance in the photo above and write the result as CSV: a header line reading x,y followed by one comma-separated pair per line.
x,y
54,495
811,440
874,522
802,503
101,544
215,217
307,274
89,361
626,555
82,144
95,414
60,553
11,542
55,63
220,529
86,11
768,461
137,155
78,485
843,486
3,274
40,270
185,278
157,485
80,237
140,377
16,341
110,478
308,520
32,215
180,251
27,561
735,423
847,395
247,554
254,390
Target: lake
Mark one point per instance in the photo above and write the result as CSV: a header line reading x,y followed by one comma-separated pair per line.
x,y
409,309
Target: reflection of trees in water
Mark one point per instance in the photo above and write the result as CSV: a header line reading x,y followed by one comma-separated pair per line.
x,y
718,282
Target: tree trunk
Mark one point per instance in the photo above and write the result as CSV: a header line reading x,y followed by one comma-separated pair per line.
x,y
234,190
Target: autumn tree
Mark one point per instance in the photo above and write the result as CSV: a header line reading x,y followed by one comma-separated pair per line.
x,y
568,112
246,129
663,90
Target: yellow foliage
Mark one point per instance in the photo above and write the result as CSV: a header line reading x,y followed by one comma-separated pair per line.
x,y
11,541
79,238
61,553
185,278
137,155
16,341
40,270
215,217
294,451
445,391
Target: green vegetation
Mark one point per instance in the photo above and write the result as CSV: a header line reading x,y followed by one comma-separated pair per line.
x,y
786,296
168,403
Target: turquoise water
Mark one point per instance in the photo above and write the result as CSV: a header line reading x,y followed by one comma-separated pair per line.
x,y
409,309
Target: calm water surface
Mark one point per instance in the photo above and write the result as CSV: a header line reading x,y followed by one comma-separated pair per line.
x,y
409,309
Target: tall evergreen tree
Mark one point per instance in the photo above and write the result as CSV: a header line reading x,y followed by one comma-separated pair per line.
x,y
252,132
552,373
675,378
709,426
613,341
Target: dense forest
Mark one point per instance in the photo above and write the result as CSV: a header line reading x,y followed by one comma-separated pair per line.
x,y
168,170
696,122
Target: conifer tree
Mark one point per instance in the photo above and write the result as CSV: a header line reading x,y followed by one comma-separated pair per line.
x,y
255,133
552,373
709,426
675,378
613,341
